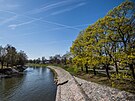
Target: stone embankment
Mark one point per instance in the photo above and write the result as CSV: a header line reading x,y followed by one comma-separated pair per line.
x,y
71,88
98,92
67,89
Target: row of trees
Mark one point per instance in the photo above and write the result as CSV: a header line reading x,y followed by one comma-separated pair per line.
x,y
109,41
38,60
10,57
57,59
63,60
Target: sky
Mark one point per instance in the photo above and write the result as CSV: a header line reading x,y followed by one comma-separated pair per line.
x,y
48,27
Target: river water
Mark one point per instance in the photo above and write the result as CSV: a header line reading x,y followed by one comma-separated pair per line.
x,y
37,84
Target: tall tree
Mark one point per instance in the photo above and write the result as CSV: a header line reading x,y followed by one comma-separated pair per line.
x,y
120,22
11,55
21,58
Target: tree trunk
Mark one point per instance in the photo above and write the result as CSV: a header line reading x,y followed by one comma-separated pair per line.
x,y
132,69
82,68
94,70
86,67
2,65
65,62
7,64
116,67
107,71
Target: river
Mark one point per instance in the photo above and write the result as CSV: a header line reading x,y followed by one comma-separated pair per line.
x,y
37,84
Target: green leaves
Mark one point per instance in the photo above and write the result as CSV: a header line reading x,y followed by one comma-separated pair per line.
x,y
110,40
10,57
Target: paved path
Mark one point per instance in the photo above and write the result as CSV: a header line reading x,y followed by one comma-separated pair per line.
x,y
69,91
77,89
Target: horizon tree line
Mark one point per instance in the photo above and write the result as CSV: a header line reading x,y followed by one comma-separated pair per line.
x,y
56,59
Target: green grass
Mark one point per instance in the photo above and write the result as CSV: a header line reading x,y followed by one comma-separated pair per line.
x,y
120,81
71,69
36,65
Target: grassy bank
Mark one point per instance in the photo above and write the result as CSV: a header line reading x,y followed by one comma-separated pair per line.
x,y
36,65
119,81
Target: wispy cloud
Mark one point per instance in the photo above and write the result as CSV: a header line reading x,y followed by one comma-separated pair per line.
x,y
8,5
7,11
13,26
59,28
53,6
8,20
68,9
45,8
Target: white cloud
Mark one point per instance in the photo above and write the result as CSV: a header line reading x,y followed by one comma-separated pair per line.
x,y
13,26
53,6
68,9
8,20
7,11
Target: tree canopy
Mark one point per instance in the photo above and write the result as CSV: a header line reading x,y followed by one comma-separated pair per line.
x,y
10,57
109,41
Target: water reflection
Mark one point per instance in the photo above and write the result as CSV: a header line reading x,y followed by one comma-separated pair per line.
x,y
36,85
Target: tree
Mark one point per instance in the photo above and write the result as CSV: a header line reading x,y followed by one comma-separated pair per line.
x,y
120,23
2,56
91,49
77,50
21,58
109,41
43,60
11,55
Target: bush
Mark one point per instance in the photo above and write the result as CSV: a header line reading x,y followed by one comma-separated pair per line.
x,y
120,76
73,69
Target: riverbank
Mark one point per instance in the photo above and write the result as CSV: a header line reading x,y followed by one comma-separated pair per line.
x,y
122,81
76,89
10,72
36,65
68,89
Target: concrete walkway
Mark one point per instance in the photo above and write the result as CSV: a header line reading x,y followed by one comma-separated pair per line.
x,y
69,91
76,89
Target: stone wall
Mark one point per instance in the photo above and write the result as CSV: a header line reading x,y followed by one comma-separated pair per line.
x,y
76,89
98,92
69,91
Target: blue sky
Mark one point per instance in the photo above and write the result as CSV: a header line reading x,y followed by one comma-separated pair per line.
x,y
48,27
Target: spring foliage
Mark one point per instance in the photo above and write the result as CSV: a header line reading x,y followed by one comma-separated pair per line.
x,y
109,41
